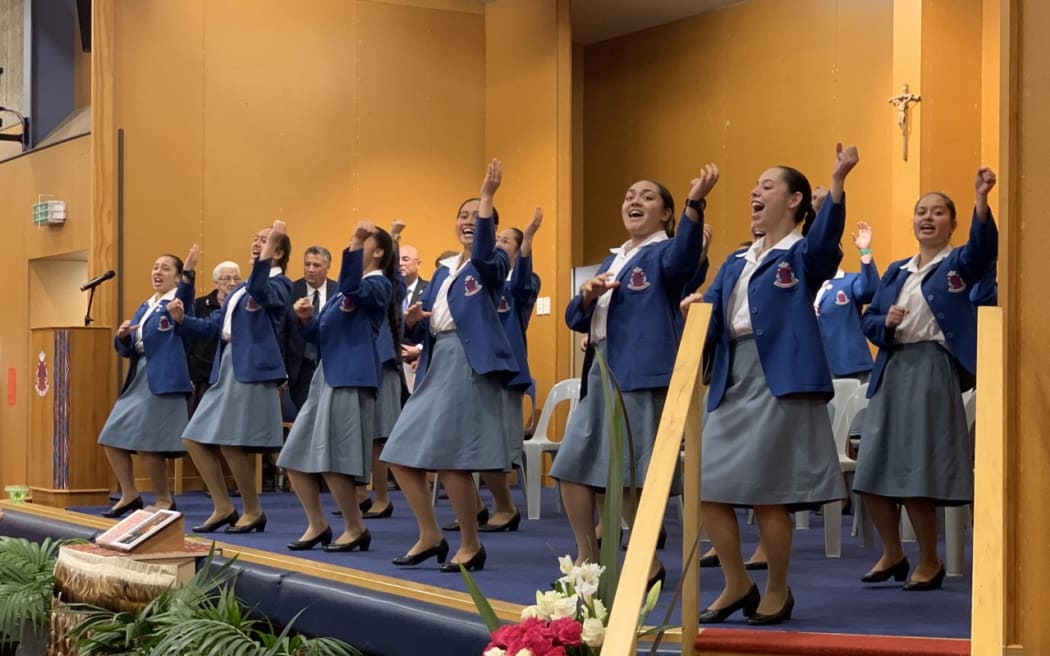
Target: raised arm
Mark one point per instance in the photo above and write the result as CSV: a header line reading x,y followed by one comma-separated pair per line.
x,y
982,248
272,294
491,262
865,284
524,285
821,253
680,261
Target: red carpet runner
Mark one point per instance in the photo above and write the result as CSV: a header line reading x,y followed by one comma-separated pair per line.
x,y
790,643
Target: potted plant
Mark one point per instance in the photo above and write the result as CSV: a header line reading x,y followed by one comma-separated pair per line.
x,y
26,586
202,616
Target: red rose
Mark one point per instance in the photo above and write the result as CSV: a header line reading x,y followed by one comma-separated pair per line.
x,y
566,631
536,637
505,634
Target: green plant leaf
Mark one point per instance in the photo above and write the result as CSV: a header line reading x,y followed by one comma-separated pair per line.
x,y
488,616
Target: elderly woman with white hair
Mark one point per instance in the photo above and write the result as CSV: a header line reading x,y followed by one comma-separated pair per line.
x,y
227,275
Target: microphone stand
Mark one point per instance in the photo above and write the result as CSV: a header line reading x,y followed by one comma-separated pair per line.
x,y
91,298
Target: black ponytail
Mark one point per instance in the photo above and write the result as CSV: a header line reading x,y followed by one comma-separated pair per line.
x,y
797,183
393,309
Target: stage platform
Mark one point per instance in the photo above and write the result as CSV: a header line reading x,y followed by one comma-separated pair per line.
x,y
363,598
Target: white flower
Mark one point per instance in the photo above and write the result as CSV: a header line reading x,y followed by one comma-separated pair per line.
x,y
565,564
495,651
524,652
593,633
651,599
564,607
589,573
598,608
530,611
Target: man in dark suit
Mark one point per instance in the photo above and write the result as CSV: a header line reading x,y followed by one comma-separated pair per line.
x,y
414,291
301,358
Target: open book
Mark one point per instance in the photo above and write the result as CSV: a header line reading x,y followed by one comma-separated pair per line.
x,y
136,528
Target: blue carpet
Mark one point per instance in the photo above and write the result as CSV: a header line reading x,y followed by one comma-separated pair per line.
x,y
829,596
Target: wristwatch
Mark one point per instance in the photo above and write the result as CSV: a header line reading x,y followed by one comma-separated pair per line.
x,y
698,205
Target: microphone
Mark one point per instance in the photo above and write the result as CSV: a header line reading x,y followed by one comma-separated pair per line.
x,y
97,280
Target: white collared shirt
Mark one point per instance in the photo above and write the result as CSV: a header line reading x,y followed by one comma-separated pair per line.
x,y
152,304
440,315
600,317
919,324
739,309
824,289
409,290
231,303
322,294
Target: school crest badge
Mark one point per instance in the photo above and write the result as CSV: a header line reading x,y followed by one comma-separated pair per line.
x,y
252,305
43,382
346,304
785,276
471,286
164,323
841,298
956,284
637,280
504,306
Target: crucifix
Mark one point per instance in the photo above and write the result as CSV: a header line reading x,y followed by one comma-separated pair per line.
x,y
902,103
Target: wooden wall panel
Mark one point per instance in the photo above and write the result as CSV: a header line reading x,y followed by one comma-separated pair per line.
x,y
752,85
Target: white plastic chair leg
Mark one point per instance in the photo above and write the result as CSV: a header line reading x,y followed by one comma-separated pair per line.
x,y
532,487
861,525
833,529
801,520
956,520
907,530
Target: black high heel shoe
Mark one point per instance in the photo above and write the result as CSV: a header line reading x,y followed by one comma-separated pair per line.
x,y
476,563
748,603
899,572
758,619
483,518
440,550
510,525
259,524
921,586
710,561
382,514
661,539
365,506
230,519
361,542
119,511
324,538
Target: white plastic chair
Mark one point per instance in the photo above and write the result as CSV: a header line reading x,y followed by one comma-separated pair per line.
x,y
565,390
850,397
957,519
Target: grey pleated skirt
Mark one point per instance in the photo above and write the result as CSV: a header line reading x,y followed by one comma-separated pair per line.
x,y
915,442
144,421
515,416
454,418
583,456
333,431
231,413
388,402
759,449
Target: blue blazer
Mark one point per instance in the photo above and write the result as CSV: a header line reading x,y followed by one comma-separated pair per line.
x,y
167,368
515,311
986,291
256,323
472,299
838,316
780,294
346,328
946,288
644,322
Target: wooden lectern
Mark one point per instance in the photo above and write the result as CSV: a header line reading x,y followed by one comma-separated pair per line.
x,y
71,394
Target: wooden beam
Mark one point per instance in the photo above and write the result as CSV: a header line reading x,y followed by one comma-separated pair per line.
x,y
680,408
